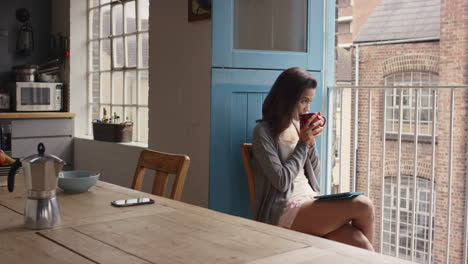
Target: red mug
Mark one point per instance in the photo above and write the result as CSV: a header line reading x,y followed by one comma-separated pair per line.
x,y
304,117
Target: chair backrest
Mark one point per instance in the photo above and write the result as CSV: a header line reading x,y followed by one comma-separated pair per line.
x,y
163,164
246,151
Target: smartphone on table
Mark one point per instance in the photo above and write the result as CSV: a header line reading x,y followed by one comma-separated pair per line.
x,y
132,202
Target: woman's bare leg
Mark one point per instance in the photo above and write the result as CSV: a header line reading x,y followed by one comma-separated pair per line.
x,y
323,217
350,235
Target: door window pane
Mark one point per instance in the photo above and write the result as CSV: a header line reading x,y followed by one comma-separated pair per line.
x,y
117,21
117,84
105,21
143,75
116,111
131,51
94,24
143,14
130,115
279,25
118,53
105,88
130,87
105,55
93,3
143,124
94,112
94,55
143,50
94,87
130,17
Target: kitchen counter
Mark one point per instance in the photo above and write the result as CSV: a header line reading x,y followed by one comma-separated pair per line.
x,y
29,115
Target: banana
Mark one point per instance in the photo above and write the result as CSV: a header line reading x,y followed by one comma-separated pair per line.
x,y
9,160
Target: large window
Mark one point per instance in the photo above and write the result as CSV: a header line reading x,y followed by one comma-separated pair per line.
x,y
409,102
118,62
422,210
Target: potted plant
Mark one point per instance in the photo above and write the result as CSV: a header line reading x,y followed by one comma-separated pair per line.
x,y
111,129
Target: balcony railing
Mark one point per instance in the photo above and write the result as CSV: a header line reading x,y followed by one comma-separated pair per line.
x,y
405,146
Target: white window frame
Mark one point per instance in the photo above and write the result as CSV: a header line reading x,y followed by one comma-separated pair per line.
x,y
344,21
392,107
389,232
139,69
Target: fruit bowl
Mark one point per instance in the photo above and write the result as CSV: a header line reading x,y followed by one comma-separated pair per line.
x,y
77,181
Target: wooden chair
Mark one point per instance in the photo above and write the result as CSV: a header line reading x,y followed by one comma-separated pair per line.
x,y
163,164
246,151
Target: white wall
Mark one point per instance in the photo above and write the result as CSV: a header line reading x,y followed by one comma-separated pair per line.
x,y
60,16
179,97
78,60
115,162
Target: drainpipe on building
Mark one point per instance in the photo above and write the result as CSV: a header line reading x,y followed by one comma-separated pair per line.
x,y
356,105
356,69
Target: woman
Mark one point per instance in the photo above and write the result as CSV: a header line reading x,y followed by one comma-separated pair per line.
x,y
286,168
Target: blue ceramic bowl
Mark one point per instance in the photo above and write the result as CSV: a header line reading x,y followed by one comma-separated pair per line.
x,y
77,181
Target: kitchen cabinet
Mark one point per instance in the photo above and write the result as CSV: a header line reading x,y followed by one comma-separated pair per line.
x,y
41,128
60,146
27,132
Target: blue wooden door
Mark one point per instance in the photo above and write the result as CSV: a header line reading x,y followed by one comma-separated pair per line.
x,y
236,103
253,42
268,34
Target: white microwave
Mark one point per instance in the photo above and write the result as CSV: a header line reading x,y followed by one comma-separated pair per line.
x,y
36,96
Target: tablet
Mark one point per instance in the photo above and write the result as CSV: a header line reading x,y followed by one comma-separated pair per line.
x,y
338,196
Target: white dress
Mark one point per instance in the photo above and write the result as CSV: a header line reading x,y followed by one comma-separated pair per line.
x,y
302,191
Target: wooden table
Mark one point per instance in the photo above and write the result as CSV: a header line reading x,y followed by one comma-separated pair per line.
x,y
168,231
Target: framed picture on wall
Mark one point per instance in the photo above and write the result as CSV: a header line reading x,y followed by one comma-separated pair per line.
x,y
199,9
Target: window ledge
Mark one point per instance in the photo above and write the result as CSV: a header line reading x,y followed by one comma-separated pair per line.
x,y
345,45
409,138
130,144
344,19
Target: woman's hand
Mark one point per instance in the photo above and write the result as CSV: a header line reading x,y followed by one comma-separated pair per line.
x,y
311,131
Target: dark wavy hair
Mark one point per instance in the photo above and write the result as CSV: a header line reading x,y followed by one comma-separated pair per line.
x,y
283,97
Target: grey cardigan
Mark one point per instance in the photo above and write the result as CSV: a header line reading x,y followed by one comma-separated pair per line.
x,y
274,177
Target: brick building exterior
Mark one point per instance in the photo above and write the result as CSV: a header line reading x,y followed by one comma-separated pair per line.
x,y
444,56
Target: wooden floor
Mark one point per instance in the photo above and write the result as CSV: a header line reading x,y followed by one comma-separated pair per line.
x,y
165,232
